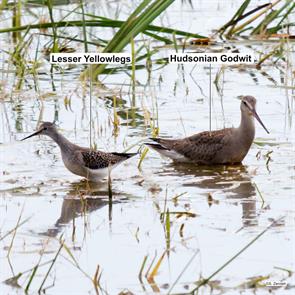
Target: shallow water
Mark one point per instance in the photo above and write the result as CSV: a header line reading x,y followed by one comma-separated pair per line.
x,y
214,212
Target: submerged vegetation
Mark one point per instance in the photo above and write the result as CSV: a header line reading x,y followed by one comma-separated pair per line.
x,y
162,220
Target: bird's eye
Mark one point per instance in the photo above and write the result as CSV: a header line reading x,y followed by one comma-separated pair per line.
x,y
244,103
45,128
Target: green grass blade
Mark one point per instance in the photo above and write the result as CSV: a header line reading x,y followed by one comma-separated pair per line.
x,y
101,23
130,29
31,278
236,16
269,18
84,27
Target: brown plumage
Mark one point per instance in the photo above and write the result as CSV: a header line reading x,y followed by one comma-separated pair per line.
x,y
226,146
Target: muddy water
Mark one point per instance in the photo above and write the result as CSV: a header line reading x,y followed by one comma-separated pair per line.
x,y
214,212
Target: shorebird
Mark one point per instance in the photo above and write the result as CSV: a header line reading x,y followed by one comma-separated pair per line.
x,y
91,164
225,146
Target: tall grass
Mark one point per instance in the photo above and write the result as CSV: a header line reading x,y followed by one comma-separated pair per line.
x,y
137,22
270,19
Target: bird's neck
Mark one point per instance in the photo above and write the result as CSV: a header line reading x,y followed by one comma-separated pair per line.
x,y
247,127
63,143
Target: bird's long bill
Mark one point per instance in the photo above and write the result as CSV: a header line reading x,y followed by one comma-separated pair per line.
x,y
259,120
35,133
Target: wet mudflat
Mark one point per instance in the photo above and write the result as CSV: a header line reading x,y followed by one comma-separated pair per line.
x,y
163,227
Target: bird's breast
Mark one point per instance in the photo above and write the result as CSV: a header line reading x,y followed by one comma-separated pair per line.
x,y
73,165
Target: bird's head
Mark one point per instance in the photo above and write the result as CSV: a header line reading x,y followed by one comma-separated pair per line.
x,y
45,128
248,106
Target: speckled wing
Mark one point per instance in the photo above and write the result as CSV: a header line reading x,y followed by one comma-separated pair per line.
x,y
201,148
100,160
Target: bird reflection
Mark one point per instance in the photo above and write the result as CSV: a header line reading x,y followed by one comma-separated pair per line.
x,y
234,180
83,198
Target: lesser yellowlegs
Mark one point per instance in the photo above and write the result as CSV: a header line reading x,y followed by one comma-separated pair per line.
x,y
91,164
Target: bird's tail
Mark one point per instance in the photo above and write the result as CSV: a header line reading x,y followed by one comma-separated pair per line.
x,y
156,145
160,146
125,155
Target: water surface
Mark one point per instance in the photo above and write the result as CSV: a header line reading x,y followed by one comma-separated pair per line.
x,y
214,211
